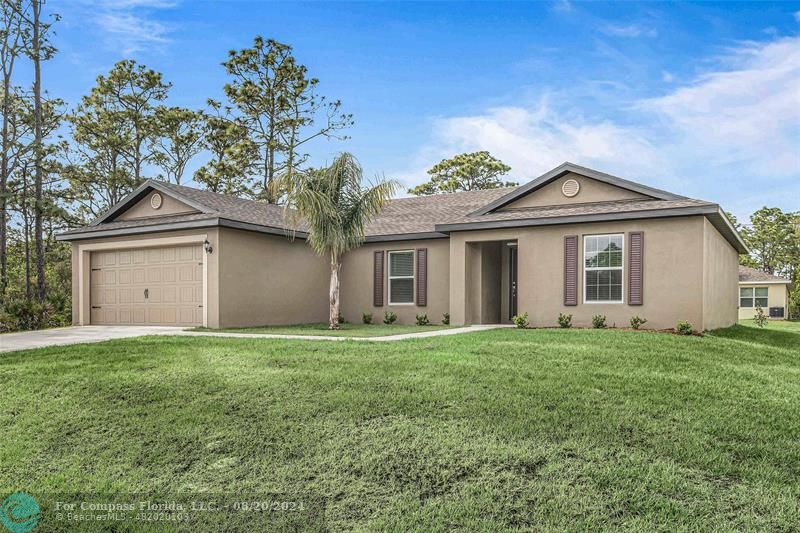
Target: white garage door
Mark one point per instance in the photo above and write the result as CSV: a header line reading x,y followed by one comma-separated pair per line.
x,y
154,286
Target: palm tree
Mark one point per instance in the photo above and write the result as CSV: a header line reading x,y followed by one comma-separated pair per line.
x,y
334,208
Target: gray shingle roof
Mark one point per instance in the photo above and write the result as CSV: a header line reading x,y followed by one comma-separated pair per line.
x,y
552,211
413,217
234,208
752,275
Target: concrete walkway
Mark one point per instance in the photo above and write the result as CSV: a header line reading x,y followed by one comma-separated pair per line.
x,y
26,340
387,338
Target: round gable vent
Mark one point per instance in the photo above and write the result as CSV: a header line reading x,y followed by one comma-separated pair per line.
x,y
570,188
155,201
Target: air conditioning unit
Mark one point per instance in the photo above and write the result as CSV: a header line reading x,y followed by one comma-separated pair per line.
x,y
776,312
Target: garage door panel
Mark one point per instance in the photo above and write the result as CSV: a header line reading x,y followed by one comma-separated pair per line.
x,y
168,274
125,276
186,253
172,277
169,295
154,275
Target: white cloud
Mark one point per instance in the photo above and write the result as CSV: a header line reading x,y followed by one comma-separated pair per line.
x,y
128,25
735,128
748,116
630,30
563,6
535,139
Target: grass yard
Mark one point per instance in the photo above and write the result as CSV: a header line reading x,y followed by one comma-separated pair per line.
x,y
345,330
539,429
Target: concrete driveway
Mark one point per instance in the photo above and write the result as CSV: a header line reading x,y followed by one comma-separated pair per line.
x,y
24,340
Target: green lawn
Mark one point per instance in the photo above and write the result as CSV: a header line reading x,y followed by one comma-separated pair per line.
x,y
505,429
345,330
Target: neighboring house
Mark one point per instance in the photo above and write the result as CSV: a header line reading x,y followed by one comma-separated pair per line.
x,y
572,241
759,289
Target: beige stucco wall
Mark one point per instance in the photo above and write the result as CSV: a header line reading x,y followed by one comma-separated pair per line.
x,y
357,275
169,206
590,191
673,273
777,296
81,269
268,279
720,279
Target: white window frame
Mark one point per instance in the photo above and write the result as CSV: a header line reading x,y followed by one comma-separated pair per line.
x,y
412,277
752,297
621,268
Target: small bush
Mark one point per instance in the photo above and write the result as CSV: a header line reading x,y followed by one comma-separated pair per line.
x,y
340,318
684,327
23,315
565,321
446,319
521,321
599,322
422,320
637,322
389,318
366,318
760,318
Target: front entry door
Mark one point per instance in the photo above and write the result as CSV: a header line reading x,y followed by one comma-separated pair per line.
x,y
512,286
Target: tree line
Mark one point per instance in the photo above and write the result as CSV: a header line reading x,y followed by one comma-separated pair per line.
x,y
63,165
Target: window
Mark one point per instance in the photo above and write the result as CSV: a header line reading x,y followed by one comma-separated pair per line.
x,y
602,268
401,277
762,299
753,297
746,297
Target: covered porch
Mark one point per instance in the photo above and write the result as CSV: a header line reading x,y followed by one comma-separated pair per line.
x,y
491,281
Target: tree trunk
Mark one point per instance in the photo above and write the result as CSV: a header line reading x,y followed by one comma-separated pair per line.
x,y
4,191
10,55
26,232
38,152
333,318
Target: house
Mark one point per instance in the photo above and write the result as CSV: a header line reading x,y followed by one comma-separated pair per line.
x,y
759,289
574,241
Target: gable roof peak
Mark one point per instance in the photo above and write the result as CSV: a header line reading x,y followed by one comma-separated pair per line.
x,y
566,168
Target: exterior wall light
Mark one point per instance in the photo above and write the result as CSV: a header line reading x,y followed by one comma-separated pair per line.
x,y
207,246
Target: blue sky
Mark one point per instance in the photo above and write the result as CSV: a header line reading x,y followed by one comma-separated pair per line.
x,y
701,99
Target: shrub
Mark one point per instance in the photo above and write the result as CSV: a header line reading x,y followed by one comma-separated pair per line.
x,y
23,315
684,327
340,318
521,321
366,318
599,322
637,322
760,318
389,318
564,321
446,319
422,320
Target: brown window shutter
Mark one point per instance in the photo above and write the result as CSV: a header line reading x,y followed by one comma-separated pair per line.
x,y
571,270
422,277
377,280
636,268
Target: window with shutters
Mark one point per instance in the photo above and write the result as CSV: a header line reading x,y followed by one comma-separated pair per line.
x,y
603,268
401,277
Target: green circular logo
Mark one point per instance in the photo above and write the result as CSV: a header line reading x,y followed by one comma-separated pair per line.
x,y
20,513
